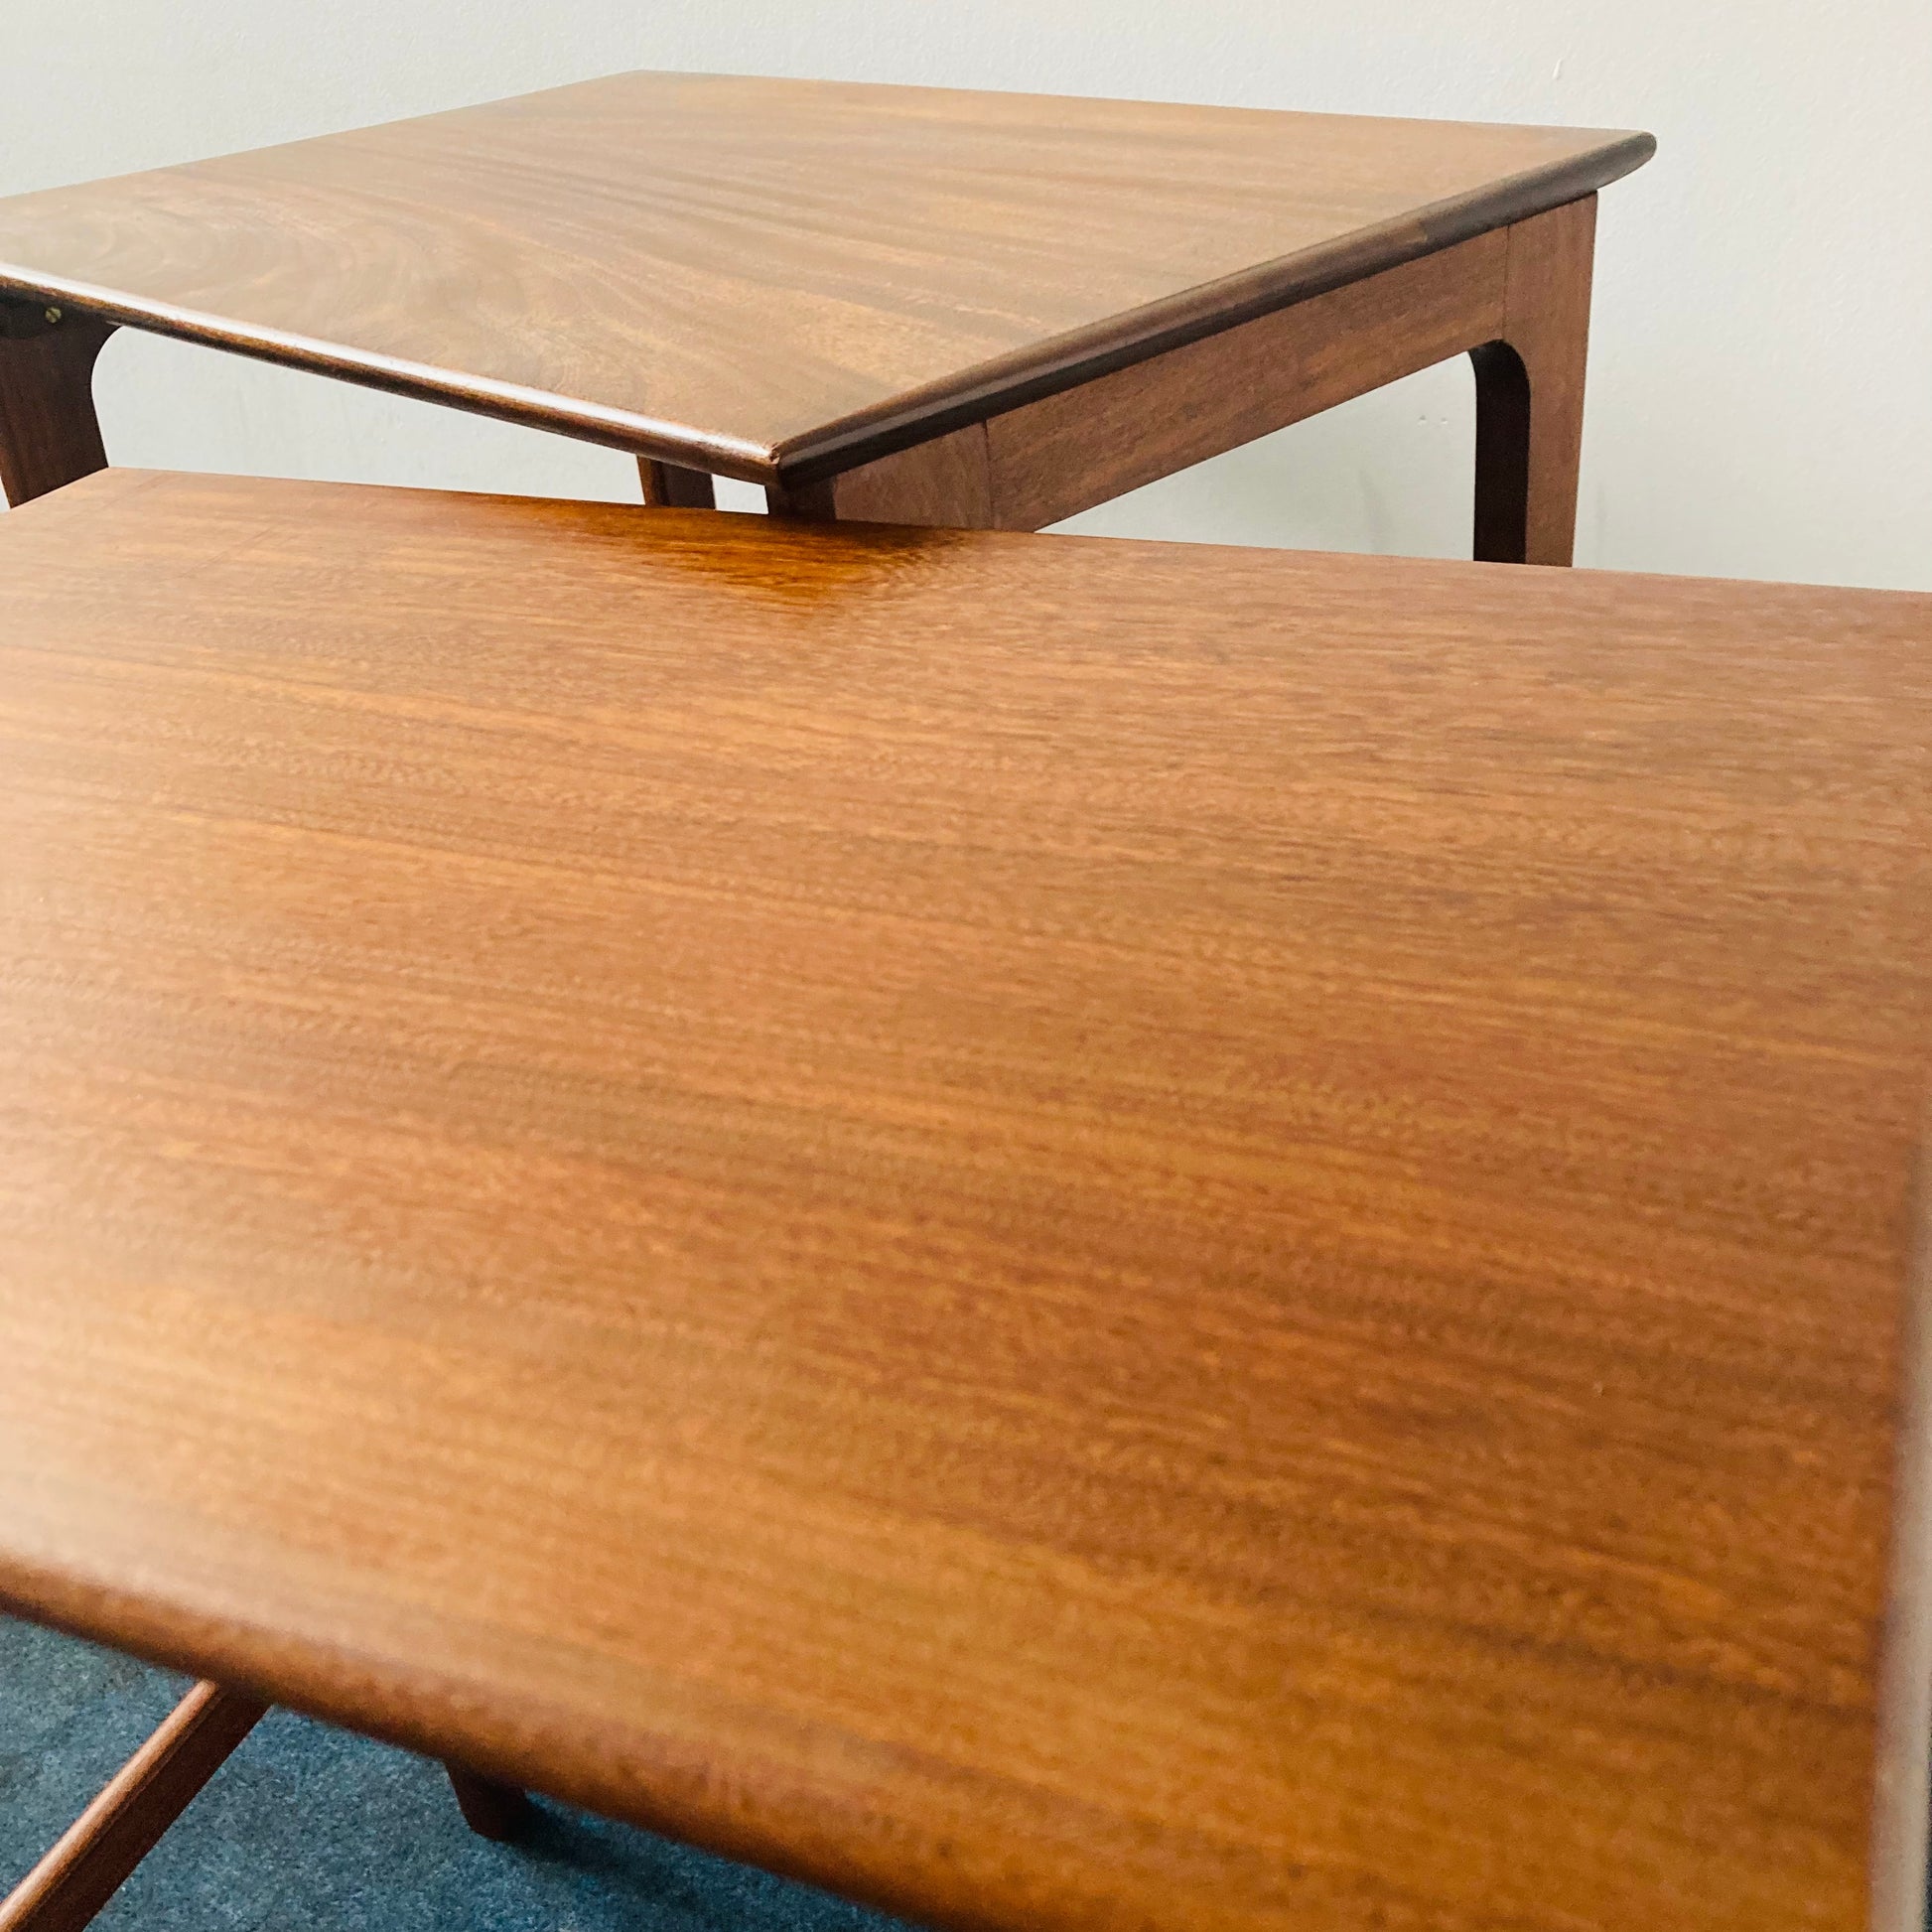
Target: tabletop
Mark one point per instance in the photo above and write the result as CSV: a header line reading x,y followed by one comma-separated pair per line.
x,y
767,278
1067,1234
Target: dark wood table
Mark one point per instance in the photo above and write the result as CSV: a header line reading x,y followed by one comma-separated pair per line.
x,y
1067,1234
895,303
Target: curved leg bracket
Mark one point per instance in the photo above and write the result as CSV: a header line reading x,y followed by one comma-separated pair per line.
x,y
50,435
1530,392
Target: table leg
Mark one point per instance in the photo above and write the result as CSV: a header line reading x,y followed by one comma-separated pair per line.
x,y
1530,392
142,1799
668,485
48,432
490,1810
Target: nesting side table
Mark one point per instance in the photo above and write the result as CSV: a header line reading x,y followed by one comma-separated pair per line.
x,y
1244,1254
881,303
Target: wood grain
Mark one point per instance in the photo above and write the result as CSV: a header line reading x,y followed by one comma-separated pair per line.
x,y
83,1872
50,435
1516,300
775,279
1068,451
1068,1234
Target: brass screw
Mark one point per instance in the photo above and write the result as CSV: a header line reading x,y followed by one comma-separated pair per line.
x,y
54,314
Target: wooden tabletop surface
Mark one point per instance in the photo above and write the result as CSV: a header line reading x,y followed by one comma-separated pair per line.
x,y
1073,1235
773,278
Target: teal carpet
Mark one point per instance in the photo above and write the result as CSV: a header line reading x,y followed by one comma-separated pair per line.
x,y
311,1827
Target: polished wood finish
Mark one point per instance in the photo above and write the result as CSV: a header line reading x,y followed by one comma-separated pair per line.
x,y
776,280
1530,392
50,435
116,1832
1070,452
1068,1234
490,1809
1516,300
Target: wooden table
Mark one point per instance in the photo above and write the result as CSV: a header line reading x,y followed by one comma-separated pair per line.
x,y
923,307
1067,1234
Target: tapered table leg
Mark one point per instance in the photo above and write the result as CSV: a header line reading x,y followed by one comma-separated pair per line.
x,y
490,1810
668,486
144,1797
50,435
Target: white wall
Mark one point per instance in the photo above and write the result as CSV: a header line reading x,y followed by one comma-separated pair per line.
x,y
1761,386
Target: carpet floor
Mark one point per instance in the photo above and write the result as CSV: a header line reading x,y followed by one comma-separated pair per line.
x,y
310,1827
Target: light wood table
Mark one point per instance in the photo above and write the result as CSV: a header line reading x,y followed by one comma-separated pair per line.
x,y
916,306
1071,1235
